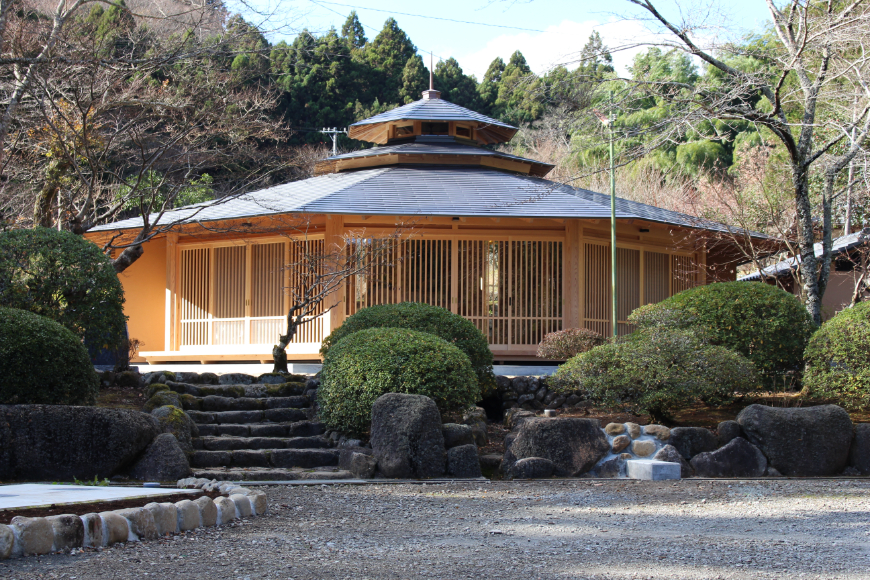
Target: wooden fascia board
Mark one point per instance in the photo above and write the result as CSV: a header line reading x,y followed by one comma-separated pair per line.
x,y
432,159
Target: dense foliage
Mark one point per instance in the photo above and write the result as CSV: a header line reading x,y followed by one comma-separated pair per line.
x,y
657,371
838,358
564,344
66,278
367,364
765,324
442,323
41,362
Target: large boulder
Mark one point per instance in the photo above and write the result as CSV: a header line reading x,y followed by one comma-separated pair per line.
x,y
58,442
532,468
690,441
174,420
573,445
462,461
406,436
800,441
671,454
456,435
163,460
859,454
739,458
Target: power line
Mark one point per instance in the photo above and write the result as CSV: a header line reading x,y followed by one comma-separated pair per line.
x,y
427,17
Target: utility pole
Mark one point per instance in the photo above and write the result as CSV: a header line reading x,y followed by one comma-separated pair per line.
x,y
610,120
333,134
607,121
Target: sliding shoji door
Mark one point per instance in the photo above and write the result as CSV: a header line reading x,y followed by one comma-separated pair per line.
x,y
511,290
642,277
231,294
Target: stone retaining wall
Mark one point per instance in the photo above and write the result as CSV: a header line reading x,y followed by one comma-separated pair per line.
x,y
35,536
533,394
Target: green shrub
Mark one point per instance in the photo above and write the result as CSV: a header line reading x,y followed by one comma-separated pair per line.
x,y
838,358
41,362
66,278
564,344
765,324
657,371
425,318
367,364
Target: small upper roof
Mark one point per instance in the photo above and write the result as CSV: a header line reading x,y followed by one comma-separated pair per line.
x,y
432,108
839,246
434,149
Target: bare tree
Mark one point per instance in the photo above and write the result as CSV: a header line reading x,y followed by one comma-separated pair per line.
x,y
818,62
318,269
109,138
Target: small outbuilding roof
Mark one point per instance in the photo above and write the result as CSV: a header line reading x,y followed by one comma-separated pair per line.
x,y
786,267
421,190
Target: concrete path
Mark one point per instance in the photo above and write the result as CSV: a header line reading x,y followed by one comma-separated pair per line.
x,y
39,494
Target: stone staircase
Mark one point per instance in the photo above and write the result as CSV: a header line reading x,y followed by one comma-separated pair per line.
x,y
259,431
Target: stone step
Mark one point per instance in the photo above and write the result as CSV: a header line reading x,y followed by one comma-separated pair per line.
x,y
226,443
237,391
284,415
219,404
297,429
272,474
282,458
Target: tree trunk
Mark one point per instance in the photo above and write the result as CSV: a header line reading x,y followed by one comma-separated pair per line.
x,y
806,242
279,351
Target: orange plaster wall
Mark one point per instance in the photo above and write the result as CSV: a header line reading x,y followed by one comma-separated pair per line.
x,y
144,285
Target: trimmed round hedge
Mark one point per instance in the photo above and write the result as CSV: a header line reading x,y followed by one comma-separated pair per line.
x,y
764,323
367,364
424,318
41,362
657,371
564,344
838,358
66,278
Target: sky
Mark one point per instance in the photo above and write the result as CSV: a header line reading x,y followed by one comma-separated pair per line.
x,y
548,32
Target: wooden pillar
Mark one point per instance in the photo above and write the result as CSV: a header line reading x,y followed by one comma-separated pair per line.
x,y
170,341
571,278
334,242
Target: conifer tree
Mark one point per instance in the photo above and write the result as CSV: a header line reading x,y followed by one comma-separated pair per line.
x,y
415,80
455,86
387,55
353,32
488,87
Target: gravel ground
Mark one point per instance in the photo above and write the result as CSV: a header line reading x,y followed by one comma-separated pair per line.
x,y
614,529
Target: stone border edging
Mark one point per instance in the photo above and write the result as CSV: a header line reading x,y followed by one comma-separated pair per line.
x,y
33,536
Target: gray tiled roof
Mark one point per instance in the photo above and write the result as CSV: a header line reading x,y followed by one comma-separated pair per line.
x,y
657,214
786,267
421,190
432,110
432,145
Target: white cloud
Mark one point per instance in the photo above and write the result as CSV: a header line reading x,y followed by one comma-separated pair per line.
x,y
559,44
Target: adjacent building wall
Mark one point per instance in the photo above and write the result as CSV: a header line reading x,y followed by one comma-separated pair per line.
x,y
144,285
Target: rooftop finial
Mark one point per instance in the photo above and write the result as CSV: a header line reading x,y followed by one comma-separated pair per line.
x,y
431,93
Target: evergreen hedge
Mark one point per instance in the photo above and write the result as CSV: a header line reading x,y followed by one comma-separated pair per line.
x,y
838,358
442,323
66,278
764,323
41,362
372,362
